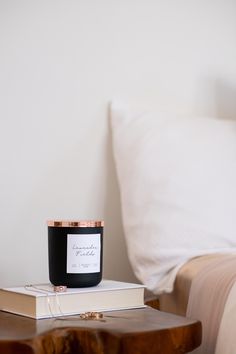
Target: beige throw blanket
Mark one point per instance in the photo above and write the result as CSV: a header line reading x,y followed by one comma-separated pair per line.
x,y
209,292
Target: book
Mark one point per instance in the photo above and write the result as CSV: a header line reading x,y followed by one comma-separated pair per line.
x,y
40,301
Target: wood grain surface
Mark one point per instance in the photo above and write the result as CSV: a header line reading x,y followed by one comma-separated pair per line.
x,y
136,331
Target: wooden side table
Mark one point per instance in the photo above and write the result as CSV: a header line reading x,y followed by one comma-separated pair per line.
x,y
138,331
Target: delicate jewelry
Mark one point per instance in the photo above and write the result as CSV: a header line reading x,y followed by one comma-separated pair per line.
x,y
94,316
56,290
91,316
59,288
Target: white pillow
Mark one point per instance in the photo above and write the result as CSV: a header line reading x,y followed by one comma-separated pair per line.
x,y
177,179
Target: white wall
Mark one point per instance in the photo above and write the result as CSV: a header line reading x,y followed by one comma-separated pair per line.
x,y
61,61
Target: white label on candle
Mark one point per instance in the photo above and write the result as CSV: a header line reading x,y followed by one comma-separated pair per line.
x,y
83,253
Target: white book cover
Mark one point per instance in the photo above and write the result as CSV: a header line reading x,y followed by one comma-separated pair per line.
x,y
40,300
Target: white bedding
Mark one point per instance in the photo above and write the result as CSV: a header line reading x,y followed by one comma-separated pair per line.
x,y
177,182
178,197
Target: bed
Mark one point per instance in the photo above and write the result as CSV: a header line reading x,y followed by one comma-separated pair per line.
x,y
177,178
205,288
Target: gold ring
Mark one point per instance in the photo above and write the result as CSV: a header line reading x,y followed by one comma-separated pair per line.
x,y
91,316
59,288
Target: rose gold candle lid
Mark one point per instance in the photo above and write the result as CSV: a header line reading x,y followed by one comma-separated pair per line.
x,y
70,223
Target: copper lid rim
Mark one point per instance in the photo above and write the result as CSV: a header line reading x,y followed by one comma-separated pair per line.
x,y
72,223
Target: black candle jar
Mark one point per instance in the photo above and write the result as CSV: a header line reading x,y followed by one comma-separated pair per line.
x,y
75,252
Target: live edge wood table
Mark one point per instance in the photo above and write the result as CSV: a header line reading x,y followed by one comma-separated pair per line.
x,y
139,331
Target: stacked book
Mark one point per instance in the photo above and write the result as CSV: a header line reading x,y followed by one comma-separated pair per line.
x,y
40,301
